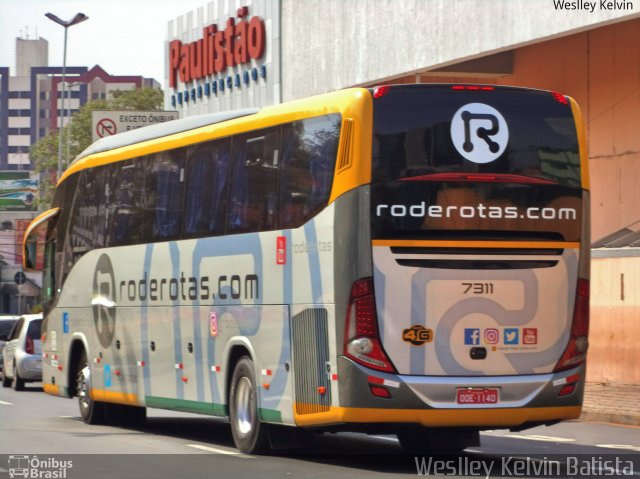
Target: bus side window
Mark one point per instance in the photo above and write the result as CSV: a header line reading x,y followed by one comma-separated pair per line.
x,y
163,211
254,182
206,189
84,219
127,184
309,153
63,261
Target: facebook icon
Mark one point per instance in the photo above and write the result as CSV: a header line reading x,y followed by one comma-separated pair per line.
x,y
472,336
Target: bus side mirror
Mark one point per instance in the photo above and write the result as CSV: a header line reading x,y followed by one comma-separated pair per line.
x,y
33,243
30,254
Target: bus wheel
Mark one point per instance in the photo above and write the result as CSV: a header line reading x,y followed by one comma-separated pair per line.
x,y
249,434
18,383
92,412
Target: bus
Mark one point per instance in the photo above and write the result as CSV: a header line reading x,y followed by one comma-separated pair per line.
x,y
405,259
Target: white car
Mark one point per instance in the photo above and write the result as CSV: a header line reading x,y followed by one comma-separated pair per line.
x,y
23,353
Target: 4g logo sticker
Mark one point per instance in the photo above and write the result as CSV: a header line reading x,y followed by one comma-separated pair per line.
x,y
417,335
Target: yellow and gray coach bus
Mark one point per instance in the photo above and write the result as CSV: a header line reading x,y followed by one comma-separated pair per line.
x,y
407,259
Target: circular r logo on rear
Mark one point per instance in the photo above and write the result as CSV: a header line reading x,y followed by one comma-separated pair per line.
x,y
479,132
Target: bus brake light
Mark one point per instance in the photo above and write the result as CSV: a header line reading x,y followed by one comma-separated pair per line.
x,y
560,98
472,88
362,341
576,351
380,91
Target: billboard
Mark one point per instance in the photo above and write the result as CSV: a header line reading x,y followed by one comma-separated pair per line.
x,y
18,192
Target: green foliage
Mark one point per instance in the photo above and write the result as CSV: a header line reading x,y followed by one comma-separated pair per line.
x,y
140,99
44,153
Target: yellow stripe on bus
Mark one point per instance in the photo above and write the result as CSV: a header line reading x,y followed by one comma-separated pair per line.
x,y
52,389
130,399
439,417
479,244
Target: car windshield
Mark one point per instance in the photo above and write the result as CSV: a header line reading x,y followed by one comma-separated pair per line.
x,y
6,326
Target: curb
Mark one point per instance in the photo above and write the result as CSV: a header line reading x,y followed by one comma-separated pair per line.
x,y
623,419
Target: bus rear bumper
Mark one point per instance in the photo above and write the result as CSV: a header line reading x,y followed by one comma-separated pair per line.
x,y
433,400
516,418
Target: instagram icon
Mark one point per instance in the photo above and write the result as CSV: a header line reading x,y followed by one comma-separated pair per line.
x,y
491,336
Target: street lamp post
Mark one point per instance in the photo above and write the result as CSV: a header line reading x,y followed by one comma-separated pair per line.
x,y
71,86
79,17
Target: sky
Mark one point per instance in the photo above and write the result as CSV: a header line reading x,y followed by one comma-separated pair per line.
x,y
124,37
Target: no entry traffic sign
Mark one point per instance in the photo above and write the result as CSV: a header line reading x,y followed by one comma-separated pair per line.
x,y
106,127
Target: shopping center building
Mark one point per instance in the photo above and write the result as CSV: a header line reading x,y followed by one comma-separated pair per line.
x,y
287,49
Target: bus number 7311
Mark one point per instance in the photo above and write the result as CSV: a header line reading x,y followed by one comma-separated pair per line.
x,y
478,288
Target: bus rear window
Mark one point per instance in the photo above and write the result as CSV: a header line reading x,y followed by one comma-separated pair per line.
x,y
434,129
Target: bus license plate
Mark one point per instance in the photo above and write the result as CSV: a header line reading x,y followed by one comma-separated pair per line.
x,y
477,396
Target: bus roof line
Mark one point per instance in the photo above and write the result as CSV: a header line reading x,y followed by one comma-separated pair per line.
x,y
159,130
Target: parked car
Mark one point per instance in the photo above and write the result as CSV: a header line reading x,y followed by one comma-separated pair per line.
x,y
23,353
6,325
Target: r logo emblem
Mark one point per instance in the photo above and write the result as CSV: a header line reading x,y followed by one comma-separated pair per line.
x,y
104,296
479,132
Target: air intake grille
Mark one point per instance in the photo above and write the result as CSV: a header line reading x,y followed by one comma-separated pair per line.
x,y
311,355
345,152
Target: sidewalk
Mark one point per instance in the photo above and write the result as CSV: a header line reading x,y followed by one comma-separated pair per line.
x,y
614,403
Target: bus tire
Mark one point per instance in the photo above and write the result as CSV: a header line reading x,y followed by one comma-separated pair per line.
x,y
18,383
249,434
92,412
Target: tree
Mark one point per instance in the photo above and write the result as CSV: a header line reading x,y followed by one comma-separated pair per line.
x,y
44,153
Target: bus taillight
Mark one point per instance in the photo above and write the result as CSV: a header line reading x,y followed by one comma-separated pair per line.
x,y
380,91
560,98
576,351
362,341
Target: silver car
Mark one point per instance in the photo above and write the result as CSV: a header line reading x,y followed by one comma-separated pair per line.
x,y
23,353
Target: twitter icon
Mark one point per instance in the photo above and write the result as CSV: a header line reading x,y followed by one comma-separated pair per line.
x,y
511,336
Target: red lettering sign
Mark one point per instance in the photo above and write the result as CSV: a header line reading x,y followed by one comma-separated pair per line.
x,y
237,44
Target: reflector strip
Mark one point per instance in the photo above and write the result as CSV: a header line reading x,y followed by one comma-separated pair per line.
x,y
384,382
478,244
